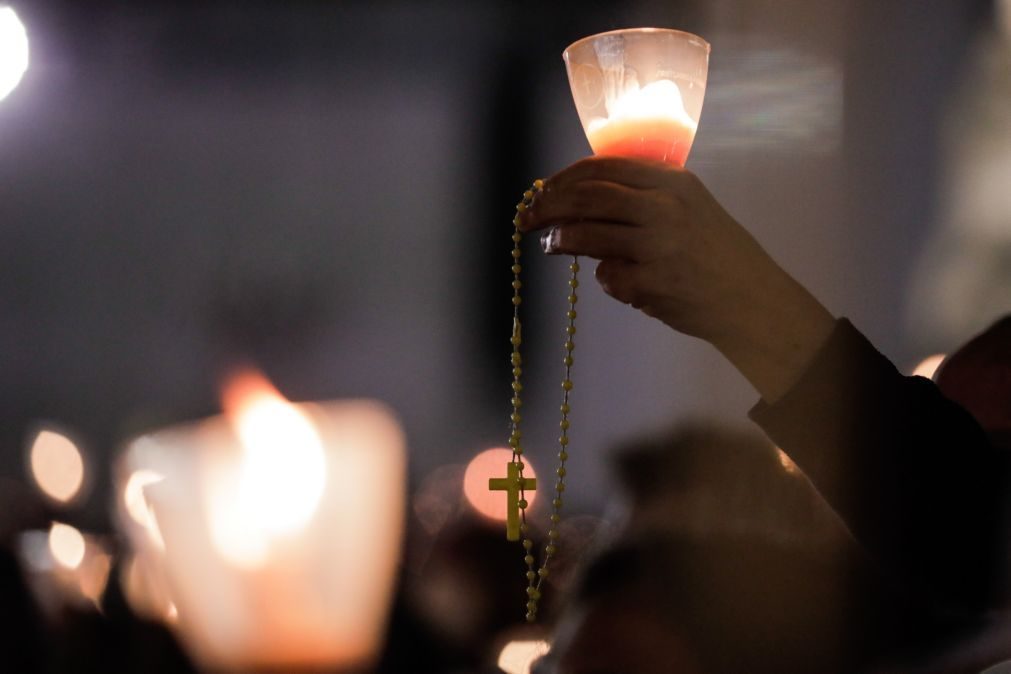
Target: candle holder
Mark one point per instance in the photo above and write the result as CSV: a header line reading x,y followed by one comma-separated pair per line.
x,y
639,91
270,536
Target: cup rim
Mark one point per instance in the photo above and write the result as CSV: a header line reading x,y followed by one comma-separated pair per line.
x,y
646,29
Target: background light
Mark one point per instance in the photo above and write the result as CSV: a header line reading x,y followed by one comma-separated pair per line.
x,y
488,464
13,51
57,465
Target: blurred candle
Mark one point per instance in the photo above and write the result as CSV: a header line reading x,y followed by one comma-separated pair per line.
x,y
279,528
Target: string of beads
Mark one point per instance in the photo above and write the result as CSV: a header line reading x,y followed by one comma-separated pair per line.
x,y
536,574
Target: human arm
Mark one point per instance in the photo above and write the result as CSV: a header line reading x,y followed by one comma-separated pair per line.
x,y
910,472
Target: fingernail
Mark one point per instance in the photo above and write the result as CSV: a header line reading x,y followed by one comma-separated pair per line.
x,y
549,241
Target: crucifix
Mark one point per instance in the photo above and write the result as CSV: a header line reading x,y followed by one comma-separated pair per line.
x,y
513,485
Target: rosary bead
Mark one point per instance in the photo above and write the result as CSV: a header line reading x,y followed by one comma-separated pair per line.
x,y
550,550
566,384
568,361
561,471
515,417
564,408
517,300
569,346
517,371
517,386
563,440
531,575
573,283
532,605
574,267
516,222
517,284
553,533
529,559
518,268
531,617
571,314
560,487
527,544
572,298
528,195
557,503
555,518
542,572
517,252
514,442
564,424
520,465
520,207
516,358
522,504
569,329
538,184
516,402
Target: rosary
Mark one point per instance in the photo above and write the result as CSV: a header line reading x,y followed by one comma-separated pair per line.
x,y
638,93
515,484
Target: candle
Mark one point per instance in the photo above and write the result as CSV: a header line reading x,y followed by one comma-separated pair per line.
x,y
274,530
650,122
639,91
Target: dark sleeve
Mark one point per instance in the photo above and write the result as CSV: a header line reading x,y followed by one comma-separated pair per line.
x,y
912,473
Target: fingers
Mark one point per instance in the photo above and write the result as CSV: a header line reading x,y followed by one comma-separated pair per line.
x,y
636,173
598,240
587,200
624,281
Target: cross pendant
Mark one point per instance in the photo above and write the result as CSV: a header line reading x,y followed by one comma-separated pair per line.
x,y
512,484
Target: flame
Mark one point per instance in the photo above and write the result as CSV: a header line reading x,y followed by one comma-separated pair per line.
x,y
57,466
488,464
280,477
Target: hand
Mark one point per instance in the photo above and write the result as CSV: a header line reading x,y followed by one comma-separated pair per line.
x,y
668,248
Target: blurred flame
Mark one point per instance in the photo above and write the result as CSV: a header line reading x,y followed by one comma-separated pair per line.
x,y
66,545
928,366
517,657
280,478
488,464
138,507
57,466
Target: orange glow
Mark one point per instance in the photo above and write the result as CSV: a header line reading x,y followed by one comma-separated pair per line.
x,y
650,122
57,466
281,477
66,545
517,657
488,464
928,366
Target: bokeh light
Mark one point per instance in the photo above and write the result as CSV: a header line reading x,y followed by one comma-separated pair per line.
x,y
517,657
928,366
13,51
488,464
137,505
57,466
66,545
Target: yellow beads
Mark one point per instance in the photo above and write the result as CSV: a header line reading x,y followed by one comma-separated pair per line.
x,y
536,575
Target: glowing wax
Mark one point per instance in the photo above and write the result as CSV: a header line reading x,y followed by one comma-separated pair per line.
x,y
650,122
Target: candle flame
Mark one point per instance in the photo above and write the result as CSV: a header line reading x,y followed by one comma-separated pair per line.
x,y
280,477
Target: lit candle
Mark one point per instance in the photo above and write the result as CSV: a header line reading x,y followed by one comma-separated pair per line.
x,y
639,91
650,122
275,528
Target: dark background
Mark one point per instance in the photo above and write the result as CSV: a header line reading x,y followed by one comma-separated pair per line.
x,y
325,189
